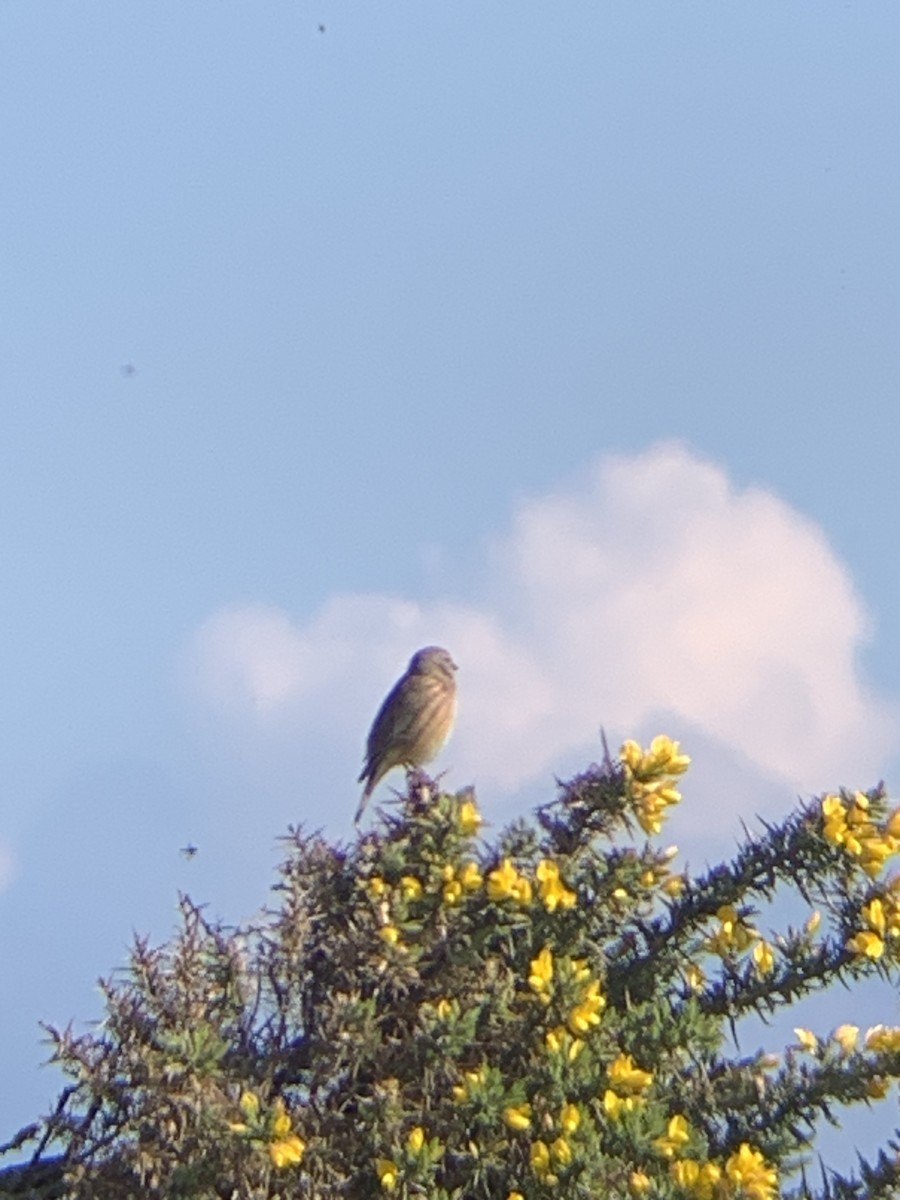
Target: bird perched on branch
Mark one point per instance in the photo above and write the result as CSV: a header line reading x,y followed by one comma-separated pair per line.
x,y
414,721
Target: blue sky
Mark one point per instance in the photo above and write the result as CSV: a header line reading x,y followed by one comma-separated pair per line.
x,y
564,336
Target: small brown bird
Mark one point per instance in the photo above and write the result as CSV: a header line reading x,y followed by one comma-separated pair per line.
x,y
414,721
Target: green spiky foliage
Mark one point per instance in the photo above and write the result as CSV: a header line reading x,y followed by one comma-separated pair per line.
x,y
430,1012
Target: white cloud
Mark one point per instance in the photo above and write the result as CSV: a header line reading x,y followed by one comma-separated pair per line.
x,y
654,594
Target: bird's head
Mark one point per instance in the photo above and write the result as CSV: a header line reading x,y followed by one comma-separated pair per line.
x,y
432,660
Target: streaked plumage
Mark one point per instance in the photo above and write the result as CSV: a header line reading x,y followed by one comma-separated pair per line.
x,y
414,721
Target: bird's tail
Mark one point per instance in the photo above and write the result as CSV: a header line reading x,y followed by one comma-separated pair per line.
x,y
364,800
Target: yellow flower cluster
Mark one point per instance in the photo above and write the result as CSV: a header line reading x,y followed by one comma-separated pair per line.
x,y
377,887
459,880
650,777
733,936
850,826
764,958
750,1175
518,1118
746,1174
411,888
505,883
883,1039
444,1009
554,893
416,1139
388,1173
807,1040
560,1041
627,1084
677,1135
548,1158
472,1083
846,1037
586,1013
882,916
541,976
453,882
583,1016
570,1118
286,1149
272,1130
470,819
697,1179
380,891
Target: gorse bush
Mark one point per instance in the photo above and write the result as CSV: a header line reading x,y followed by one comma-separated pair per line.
x,y
427,1013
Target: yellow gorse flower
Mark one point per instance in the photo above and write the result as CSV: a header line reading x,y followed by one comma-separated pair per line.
x,y
388,1173
416,1139
663,758
627,1078
554,893
750,1174
541,976
287,1152
470,877
272,1131
560,1041
867,944
847,1037
650,776
561,1152
410,887
281,1123
452,889
541,1163
883,1039
570,1119
874,915
518,1118
585,1015
505,883
698,1179
614,1104
764,957
675,886
472,1082
850,826
733,934
470,819
807,1039
677,1135
456,881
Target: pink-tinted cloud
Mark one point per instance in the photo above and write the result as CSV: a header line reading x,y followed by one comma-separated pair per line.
x,y
653,590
